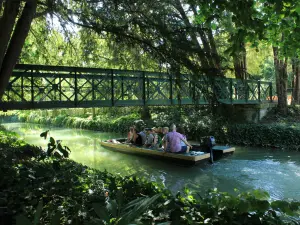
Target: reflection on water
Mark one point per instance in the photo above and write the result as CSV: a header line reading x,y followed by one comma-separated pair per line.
x,y
249,168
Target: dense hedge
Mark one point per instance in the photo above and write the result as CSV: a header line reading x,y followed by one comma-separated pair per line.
x,y
65,192
264,135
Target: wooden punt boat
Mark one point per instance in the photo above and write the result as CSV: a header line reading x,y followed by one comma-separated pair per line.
x,y
195,156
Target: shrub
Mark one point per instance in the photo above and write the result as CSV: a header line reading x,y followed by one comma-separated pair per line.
x,y
264,135
64,191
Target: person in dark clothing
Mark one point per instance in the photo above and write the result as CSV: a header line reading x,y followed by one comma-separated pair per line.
x,y
136,138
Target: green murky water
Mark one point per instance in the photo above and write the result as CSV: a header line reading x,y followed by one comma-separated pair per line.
x,y
249,168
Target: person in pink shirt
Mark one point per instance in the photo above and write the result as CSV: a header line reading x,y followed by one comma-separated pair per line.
x,y
173,142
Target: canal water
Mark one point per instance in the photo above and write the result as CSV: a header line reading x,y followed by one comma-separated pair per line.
x,y
275,171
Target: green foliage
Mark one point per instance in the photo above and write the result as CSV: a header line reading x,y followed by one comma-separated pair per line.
x,y
49,44
264,135
118,124
55,148
60,191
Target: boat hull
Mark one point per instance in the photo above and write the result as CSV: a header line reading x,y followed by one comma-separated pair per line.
x,y
184,159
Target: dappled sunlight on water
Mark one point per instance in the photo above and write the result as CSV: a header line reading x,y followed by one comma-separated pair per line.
x,y
277,172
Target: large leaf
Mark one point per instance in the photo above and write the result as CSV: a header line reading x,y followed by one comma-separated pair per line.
x,y
56,218
44,134
52,141
282,206
139,208
261,195
22,220
101,212
120,198
63,151
50,149
113,208
38,213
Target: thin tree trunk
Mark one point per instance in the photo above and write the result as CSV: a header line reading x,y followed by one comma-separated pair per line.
x,y
16,43
296,82
281,81
214,51
204,61
209,41
1,2
7,22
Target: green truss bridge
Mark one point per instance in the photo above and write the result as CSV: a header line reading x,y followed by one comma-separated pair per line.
x,y
47,87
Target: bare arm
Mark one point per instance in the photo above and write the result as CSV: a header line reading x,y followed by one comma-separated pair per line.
x,y
164,140
185,141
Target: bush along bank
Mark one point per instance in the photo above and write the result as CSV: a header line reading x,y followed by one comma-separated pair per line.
x,y
56,190
281,136
197,123
119,124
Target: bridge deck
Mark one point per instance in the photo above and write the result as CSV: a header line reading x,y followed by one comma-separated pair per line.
x,y
45,87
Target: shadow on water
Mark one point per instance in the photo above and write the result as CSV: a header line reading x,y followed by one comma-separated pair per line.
x,y
277,172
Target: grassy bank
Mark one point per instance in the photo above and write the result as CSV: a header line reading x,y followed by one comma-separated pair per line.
x,y
61,191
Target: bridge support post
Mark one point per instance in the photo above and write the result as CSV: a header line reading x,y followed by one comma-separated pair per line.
x,y
144,89
246,91
32,91
231,91
171,89
75,94
112,88
259,91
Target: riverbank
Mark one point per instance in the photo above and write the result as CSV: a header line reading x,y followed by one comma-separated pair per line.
x,y
78,194
275,131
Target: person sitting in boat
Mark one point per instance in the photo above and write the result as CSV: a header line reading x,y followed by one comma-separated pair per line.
x,y
129,135
165,130
143,136
173,140
156,140
136,138
160,136
150,138
181,130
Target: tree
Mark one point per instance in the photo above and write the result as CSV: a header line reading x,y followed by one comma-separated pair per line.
x,y
282,19
236,19
163,29
296,80
12,36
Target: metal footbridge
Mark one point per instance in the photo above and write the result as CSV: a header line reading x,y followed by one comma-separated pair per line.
x,y
48,87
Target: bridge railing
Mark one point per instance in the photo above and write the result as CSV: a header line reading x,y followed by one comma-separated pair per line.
x,y
35,86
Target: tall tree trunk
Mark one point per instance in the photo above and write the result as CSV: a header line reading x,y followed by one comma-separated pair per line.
x,y
296,82
7,22
16,43
239,62
281,81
